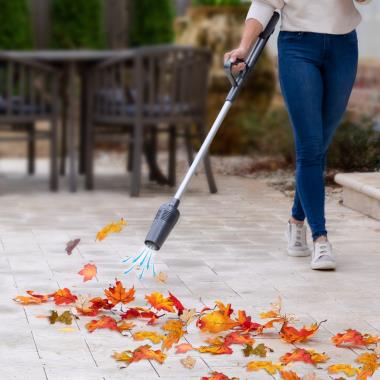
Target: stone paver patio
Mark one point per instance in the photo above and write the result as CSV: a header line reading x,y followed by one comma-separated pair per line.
x,y
227,247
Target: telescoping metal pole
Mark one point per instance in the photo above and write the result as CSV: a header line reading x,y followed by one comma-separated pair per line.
x,y
237,84
168,214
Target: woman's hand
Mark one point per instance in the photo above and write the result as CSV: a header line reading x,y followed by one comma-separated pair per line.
x,y
235,54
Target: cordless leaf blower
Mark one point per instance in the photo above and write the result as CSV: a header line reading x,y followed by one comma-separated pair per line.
x,y
168,214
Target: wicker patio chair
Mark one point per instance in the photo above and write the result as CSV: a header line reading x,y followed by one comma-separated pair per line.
x,y
150,90
28,93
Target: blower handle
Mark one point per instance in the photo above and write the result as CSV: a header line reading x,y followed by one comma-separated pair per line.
x,y
238,81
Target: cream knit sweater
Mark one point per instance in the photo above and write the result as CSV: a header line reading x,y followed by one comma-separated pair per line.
x,y
320,16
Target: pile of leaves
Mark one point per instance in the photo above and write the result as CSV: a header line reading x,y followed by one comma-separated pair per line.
x,y
162,322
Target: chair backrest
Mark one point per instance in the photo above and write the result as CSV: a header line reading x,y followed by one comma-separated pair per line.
x,y
161,81
27,89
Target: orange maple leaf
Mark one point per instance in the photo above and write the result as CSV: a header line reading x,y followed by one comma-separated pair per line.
x,y
218,376
88,272
353,338
84,306
302,355
159,302
32,298
370,365
218,320
105,322
64,297
289,375
292,335
183,348
237,338
113,227
141,353
117,293
175,332
125,326
245,323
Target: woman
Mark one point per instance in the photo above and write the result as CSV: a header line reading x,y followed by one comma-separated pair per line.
x,y
317,57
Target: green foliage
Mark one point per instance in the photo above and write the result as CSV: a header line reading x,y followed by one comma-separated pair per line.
x,y
77,24
216,2
355,146
152,22
271,134
15,25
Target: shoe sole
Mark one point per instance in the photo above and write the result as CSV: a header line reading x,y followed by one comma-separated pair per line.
x,y
323,266
293,253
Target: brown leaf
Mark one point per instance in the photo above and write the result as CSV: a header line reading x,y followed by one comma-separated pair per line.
x,y
188,362
71,245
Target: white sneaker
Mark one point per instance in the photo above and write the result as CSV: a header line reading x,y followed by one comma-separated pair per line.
x,y
323,258
296,236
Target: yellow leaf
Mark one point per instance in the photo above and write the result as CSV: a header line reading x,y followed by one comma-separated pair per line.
x,y
270,367
67,329
151,335
347,369
110,228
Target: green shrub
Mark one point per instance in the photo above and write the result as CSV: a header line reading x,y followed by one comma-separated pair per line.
x,y
77,24
271,134
355,146
15,25
152,22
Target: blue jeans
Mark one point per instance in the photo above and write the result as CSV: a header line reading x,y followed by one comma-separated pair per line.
x,y
317,72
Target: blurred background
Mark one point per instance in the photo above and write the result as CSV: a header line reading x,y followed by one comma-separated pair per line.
x,y
256,135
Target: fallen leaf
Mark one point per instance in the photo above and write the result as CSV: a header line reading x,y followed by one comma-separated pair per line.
x,y
370,365
162,277
302,355
260,350
354,339
105,322
66,317
30,300
175,332
347,369
151,335
188,362
64,297
188,315
110,228
141,353
71,245
117,293
88,272
67,329
289,375
216,349
84,306
159,302
177,303
140,312
123,326
245,323
218,376
268,366
218,320
183,348
238,338
292,335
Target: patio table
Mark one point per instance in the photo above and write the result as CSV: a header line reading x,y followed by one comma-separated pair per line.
x,y
74,62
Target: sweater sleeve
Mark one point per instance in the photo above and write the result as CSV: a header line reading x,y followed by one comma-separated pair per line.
x,y
262,10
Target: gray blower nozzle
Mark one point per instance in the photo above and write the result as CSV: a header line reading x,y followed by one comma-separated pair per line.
x,y
166,218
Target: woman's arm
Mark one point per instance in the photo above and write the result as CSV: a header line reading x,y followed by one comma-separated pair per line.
x,y
251,31
258,17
